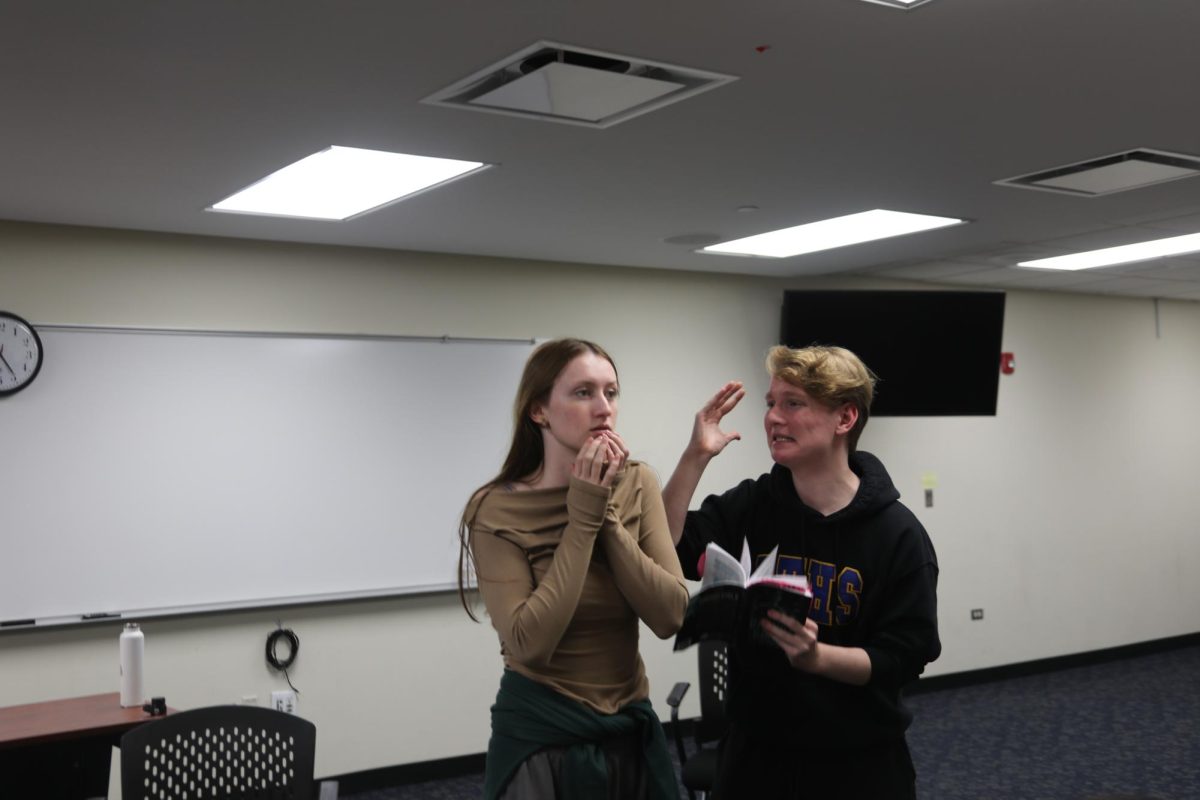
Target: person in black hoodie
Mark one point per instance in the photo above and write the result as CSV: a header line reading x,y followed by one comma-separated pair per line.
x,y
822,714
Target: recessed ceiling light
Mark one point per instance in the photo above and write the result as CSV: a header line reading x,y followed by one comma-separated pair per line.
x,y
1123,254
827,234
904,4
340,182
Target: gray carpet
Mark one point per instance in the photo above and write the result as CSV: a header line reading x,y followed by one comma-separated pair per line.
x,y
1125,730
1129,728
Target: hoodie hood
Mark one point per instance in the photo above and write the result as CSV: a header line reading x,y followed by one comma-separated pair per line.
x,y
875,490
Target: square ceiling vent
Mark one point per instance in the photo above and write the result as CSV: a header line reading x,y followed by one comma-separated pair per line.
x,y
1119,172
561,83
904,4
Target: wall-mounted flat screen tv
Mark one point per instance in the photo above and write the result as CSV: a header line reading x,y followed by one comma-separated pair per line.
x,y
936,353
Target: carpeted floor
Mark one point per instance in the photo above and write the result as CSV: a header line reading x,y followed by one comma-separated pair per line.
x,y
1125,730
1129,728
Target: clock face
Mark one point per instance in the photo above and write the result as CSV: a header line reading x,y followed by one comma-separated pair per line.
x,y
20,353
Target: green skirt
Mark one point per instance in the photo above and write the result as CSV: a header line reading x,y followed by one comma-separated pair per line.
x,y
528,717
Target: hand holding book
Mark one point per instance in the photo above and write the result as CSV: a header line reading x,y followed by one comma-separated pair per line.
x,y
797,638
731,606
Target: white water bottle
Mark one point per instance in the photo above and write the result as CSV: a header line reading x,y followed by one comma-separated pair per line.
x,y
133,651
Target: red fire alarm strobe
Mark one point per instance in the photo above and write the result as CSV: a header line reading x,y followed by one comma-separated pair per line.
x,y
1008,363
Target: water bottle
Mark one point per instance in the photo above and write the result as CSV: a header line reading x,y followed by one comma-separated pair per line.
x,y
133,651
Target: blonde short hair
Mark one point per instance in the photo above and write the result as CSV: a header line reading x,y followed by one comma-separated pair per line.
x,y
830,375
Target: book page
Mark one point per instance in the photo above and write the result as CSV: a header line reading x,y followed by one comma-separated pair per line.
x,y
767,567
721,569
766,574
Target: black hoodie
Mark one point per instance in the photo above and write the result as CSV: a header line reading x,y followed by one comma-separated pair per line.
x,y
874,577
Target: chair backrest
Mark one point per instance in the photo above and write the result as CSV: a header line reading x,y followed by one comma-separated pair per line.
x,y
222,752
714,680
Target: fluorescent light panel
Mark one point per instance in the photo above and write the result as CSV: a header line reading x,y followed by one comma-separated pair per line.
x,y
340,182
866,226
1123,254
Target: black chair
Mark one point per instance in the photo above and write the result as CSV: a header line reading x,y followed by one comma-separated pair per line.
x,y
699,772
221,752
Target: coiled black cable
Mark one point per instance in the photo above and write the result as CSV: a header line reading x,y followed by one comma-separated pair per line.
x,y
294,648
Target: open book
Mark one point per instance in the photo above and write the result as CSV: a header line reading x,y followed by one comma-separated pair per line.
x,y
729,606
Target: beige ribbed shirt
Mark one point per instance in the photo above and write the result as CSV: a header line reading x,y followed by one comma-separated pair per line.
x,y
566,574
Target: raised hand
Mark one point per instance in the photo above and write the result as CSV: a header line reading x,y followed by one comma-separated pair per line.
x,y
707,441
707,437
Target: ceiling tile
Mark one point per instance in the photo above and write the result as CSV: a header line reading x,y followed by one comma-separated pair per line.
x,y
1104,237
928,271
1180,220
1023,278
1137,287
1010,256
1174,269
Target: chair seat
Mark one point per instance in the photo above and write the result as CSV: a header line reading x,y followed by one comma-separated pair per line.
x,y
700,771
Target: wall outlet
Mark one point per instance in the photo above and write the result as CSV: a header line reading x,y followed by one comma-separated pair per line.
x,y
249,700
976,613
284,701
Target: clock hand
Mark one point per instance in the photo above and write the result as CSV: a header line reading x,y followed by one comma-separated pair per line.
x,y
5,360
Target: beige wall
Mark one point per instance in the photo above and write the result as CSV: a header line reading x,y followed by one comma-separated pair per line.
x,y
1070,516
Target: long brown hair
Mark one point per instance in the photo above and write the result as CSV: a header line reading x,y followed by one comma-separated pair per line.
x,y
526,454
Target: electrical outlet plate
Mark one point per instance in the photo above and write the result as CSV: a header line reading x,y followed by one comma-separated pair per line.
x,y
284,701
249,700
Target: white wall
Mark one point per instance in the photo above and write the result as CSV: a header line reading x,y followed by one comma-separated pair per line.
x,y
1069,517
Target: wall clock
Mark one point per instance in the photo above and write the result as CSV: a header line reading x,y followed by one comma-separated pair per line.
x,y
20,353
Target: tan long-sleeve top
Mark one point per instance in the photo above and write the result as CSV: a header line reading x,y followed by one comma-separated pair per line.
x,y
566,573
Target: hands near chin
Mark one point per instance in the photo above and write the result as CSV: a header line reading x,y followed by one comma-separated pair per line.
x,y
601,458
707,437
797,639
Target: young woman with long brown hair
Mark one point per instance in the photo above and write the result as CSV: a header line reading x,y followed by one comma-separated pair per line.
x,y
570,547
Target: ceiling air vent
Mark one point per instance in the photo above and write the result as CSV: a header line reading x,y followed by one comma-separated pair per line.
x,y
1119,172
560,83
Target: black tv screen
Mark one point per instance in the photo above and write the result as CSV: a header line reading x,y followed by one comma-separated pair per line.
x,y
935,353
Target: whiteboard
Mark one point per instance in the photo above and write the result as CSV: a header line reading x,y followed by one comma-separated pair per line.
x,y
156,472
